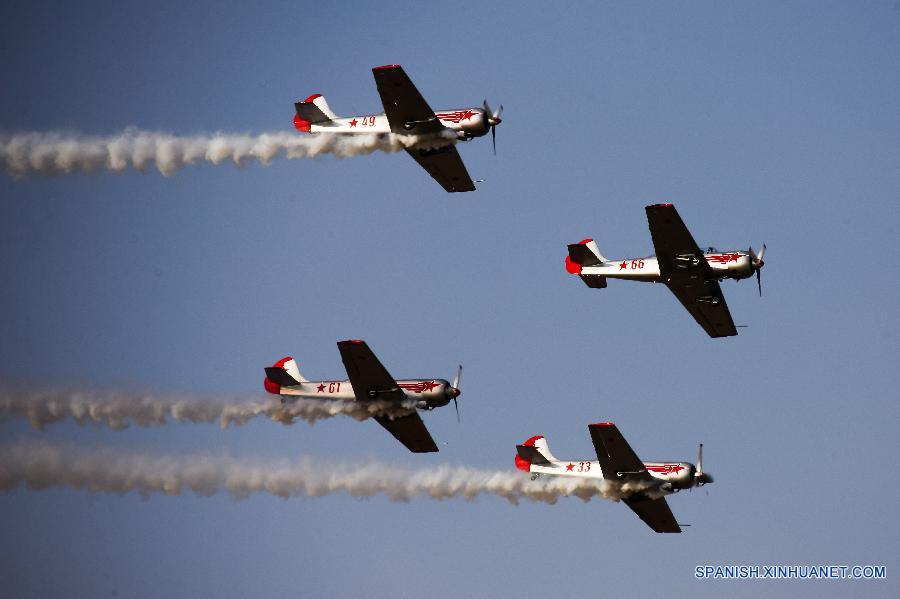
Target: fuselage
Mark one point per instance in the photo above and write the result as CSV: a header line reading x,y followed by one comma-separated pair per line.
x,y
426,393
672,476
465,122
726,265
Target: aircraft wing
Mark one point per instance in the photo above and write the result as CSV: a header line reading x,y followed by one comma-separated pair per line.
x,y
406,110
654,512
614,453
369,378
411,431
713,317
371,381
686,273
445,166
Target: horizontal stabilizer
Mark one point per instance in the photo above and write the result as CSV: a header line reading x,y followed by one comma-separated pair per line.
x,y
310,113
532,455
279,375
581,254
594,281
314,110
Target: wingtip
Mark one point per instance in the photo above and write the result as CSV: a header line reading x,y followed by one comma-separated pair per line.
x,y
386,66
603,424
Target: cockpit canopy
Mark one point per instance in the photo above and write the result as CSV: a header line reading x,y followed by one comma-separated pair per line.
x,y
711,250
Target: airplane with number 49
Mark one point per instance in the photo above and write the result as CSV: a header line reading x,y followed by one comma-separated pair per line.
x,y
370,381
617,462
692,274
407,113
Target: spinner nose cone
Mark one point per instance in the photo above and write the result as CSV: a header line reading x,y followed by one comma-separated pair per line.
x,y
452,392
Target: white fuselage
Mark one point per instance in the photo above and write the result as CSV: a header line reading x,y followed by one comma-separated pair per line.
x,y
466,122
426,393
672,476
726,265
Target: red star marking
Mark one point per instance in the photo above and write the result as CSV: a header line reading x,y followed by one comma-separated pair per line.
x,y
353,122
734,257
569,467
321,387
624,265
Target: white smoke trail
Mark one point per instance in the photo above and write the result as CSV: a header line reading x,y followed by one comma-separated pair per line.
x,y
58,153
119,409
42,465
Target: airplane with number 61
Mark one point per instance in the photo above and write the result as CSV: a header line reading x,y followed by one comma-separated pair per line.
x,y
407,113
690,273
370,381
617,462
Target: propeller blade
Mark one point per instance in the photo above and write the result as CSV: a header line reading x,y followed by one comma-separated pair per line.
x,y
700,460
456,405
762,252
494,138
759,281
487,110
458,377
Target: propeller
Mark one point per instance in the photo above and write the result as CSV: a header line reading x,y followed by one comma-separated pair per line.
x,y
454,391
493,119
756,263
701,478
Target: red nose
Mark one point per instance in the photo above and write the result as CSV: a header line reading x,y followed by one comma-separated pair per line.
x,y
300,124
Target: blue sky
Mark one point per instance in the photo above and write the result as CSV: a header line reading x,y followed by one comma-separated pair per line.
x,y
772,123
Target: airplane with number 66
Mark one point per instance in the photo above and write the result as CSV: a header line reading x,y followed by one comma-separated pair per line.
x,y
690,273
407,113
617,462
370,381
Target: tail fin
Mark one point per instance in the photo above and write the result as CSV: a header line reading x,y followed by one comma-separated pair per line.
x,y
533,451
284,373
586,253
314,110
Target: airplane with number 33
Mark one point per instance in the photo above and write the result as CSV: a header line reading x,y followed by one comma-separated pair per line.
x,y
370,381
407,113
617,462
690,273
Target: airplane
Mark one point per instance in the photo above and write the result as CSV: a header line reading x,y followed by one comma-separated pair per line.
x,y
370,381
692,274
617,462
407,113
